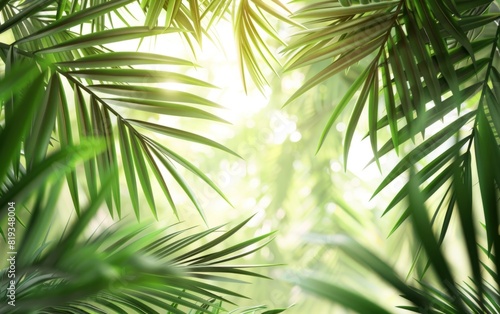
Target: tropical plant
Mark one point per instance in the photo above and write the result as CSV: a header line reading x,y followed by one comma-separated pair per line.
x,y
125,268
420,67
434,63
56,37
122,268
59,65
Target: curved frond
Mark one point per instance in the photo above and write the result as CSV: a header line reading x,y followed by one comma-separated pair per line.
x,y
103,83
426,58
126,268
419,51
251,22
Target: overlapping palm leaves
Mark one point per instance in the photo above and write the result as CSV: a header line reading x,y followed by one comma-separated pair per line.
x,y
123,269
440,293
45,37
250,21
425,58
253,25
58,70
431,61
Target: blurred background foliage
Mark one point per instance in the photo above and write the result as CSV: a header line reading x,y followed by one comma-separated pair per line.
x,y
298,192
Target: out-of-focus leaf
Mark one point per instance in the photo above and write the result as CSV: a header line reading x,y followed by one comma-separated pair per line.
x,y
37,142
19,125
423,230
56,164
463,190
487,153
344,296
367,259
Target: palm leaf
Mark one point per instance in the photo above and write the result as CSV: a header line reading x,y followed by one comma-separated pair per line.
x,y
250,22
75,19
348,34
341,295
80,59
427,60
174,281
425,297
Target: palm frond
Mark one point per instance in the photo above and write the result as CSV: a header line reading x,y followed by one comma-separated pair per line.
x,y
125,268
103,83
382,32
427,59
341,295
442,294
251,21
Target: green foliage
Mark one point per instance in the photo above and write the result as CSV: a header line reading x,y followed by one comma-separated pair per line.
x,y
58,126
423,74
432,61
45,37
124,268
479,295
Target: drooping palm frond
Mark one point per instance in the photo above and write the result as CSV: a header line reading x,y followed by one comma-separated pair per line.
x,y
250,23
124,268
182,14
385,32
83,62
253,24
253,29
131,268
425,58
441,295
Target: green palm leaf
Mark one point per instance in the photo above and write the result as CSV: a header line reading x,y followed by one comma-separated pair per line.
x,y
426,59
82,268
346,35
79,59
250,22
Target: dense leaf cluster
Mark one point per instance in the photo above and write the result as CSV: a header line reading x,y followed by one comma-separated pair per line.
x,y
423,64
